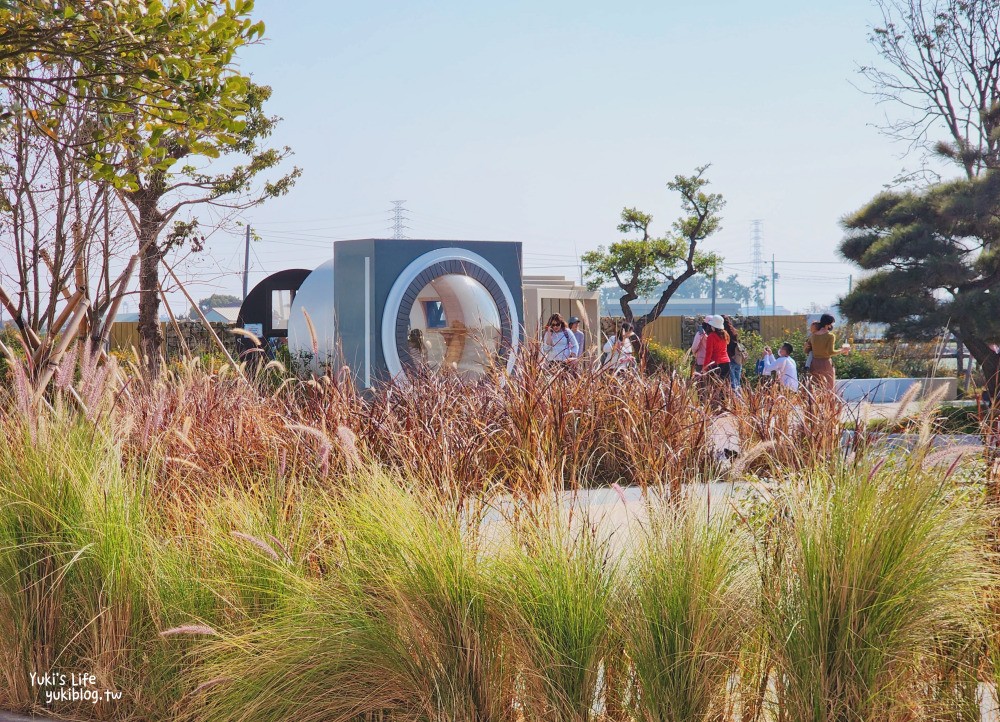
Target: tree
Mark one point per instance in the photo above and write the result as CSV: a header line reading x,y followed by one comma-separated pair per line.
x,y
941,63
166,98
161,169
759,287
934,257
216,300
637,266
159,194
933,252
60,230
122,56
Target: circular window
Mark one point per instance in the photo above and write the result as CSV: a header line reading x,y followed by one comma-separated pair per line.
x,y
449,308
455,323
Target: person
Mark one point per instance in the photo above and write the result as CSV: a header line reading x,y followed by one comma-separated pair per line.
x,y
783,366
558,343
813,328
823,345
418,346
716,355
581,339
737,355
698,346
620,349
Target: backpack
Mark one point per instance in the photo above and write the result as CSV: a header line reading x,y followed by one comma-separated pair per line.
x,y
741,354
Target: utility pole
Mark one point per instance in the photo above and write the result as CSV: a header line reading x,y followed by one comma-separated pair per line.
x,y
850,283
774,277
246,265
715,270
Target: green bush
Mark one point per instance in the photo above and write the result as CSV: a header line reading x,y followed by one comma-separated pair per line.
x,y
856,365
666,358
863,365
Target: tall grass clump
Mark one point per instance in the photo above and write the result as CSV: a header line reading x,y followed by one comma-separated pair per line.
x,y
557,597
74,563
399,626
690,607
881,574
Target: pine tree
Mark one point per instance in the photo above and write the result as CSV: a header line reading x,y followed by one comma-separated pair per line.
x,y
934,255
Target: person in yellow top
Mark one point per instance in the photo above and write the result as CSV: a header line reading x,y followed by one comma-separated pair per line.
x,y
823,346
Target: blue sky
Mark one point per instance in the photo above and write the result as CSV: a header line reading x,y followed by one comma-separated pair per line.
x,y
539,121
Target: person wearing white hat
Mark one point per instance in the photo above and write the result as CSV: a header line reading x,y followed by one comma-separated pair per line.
x,y
716,355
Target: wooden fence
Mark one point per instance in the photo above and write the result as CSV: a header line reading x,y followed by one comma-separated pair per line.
x,y
775,327
667,330
196,338
124,335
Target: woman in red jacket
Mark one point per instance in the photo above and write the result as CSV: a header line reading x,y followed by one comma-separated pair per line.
x,y
716,356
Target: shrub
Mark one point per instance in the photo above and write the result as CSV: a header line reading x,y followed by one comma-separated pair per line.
x,y
692,603
557,592
860,364
881,574
666,358
75,589
402,627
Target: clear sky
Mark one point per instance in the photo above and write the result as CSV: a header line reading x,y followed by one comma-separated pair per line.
x,y
538,121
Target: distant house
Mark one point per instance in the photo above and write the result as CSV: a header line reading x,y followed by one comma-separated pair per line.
x,y
223,314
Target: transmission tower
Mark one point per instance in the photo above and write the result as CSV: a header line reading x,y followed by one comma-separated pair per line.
x,y
397,219
757,241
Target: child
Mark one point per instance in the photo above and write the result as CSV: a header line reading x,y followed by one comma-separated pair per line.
x,y
783,366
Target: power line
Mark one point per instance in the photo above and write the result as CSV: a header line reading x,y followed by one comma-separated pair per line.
x,y
321,220
804,263
307,231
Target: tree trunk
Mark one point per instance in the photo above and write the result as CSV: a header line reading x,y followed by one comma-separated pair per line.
x,y
668,292
150,254
991,369
150,333
624,302
989,362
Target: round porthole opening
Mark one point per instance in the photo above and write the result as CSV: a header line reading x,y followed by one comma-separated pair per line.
x,y
454,323
449,309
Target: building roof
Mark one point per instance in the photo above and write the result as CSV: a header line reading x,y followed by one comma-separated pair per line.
x,y
223,314
559,282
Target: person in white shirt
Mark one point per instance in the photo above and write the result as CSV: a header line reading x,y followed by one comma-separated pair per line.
x,y
783,366
620,348
559,343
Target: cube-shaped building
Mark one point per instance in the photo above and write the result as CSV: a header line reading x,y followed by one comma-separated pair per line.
x,y
383,306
